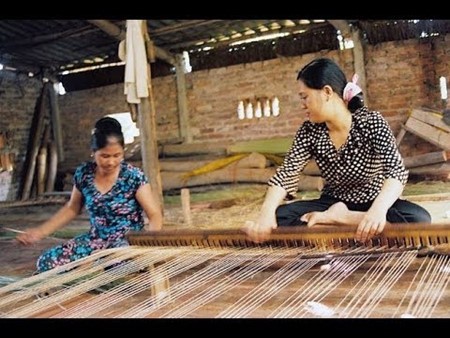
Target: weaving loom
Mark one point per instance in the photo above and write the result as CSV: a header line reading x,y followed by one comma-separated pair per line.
x,y
299,272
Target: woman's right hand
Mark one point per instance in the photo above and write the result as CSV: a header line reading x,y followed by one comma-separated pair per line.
x,y
30,236
260,231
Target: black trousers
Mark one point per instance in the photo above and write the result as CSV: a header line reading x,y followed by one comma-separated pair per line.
x,y
401,211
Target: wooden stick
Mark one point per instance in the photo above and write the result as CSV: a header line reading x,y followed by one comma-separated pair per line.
x,y
13,230
22,232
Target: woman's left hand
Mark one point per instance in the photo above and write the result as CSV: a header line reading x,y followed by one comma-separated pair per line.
x,y
372,224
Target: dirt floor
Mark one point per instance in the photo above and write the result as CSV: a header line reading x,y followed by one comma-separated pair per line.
x,y
212,207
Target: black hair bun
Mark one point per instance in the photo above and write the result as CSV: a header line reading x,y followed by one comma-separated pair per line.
x,y
108,124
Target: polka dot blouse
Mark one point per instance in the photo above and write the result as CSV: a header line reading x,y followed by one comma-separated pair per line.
x,y
353,173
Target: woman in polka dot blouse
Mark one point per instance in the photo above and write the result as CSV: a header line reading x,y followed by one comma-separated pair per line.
x,y
356,152
114,193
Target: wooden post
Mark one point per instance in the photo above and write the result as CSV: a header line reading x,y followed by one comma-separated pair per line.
x,y
186,206
358,56
149,140
149,146
358,52
183,114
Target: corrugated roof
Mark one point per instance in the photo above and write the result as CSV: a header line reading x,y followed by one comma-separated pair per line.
x,y
59,45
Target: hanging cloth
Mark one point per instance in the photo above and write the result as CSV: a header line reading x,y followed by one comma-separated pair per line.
x,y
136,73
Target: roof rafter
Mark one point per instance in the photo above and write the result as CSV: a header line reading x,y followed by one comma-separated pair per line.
x,y
119,34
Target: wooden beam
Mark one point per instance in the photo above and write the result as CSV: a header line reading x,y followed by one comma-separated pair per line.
x,y
181,26
119,34
425,159
253,160
219,44
229,174
437,172
429,133
43,39
189,149
432,118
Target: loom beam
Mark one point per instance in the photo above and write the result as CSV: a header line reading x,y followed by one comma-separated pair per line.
x,y
394,235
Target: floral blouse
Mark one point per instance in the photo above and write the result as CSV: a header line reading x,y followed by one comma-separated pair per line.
x,y
117,211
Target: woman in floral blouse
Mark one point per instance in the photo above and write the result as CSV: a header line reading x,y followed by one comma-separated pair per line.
x,y
114,193
356,152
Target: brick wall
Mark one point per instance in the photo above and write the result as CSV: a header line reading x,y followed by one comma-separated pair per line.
x,y
400,76
79,110
405,75
18,94
213,96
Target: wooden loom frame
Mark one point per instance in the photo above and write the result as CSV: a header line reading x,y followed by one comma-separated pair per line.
x,y
417,235
399,242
